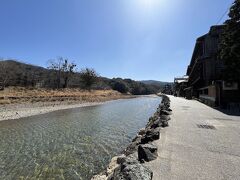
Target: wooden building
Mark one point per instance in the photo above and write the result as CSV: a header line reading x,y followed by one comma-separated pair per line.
x,y
205,72
180,84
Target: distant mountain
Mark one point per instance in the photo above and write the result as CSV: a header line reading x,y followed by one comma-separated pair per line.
x,y
160,84
21,74
21,65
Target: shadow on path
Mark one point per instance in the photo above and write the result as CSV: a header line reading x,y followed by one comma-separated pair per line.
x,y
231,112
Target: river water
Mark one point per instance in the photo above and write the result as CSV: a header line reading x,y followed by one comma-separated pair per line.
x,y
71,144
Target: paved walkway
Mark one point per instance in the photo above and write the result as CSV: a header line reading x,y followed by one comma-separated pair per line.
x,y
187,152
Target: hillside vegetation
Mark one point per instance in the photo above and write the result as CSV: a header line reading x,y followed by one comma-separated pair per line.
x,y
61,74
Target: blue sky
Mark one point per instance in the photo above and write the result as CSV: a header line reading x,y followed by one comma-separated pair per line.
x,y
138,39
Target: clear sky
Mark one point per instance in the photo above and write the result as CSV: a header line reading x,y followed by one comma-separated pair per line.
x,y
138,39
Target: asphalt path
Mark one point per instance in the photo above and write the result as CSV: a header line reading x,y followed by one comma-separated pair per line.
x,y
200,143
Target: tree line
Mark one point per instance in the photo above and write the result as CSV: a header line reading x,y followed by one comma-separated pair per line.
x,y
58,74
229,50
63,73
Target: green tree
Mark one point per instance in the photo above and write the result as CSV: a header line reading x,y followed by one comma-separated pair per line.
x,y
88,77
119,86
230,44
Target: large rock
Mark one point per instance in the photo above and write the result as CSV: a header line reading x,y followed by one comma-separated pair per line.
x,y
136,172
165,124
170,110
151,135
128,160
99,177
132,148
157,123
161,106
131,169
151,121
165,112
137,139
147,152
165,117
142,131
121,159
112,165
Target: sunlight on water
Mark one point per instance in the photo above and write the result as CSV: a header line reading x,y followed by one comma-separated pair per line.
x,y
71,144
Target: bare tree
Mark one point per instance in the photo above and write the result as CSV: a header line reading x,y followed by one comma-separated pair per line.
x,y
56,66
63,69
88,77
68,70
4,75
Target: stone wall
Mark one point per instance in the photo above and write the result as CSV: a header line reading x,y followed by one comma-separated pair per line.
x,y
130,165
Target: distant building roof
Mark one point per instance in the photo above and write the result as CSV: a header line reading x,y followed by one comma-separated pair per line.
x,y
181,79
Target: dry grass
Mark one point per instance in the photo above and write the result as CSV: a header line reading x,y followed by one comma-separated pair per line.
x,y
4,101
19,95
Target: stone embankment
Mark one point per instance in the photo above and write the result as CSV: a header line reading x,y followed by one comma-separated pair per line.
x,y
130,165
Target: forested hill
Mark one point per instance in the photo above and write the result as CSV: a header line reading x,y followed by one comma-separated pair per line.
x,y
160,84
15,73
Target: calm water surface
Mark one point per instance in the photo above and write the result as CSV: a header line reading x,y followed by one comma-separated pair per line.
x,y
71,144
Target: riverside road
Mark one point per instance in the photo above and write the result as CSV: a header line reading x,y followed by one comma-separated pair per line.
x,y
200,143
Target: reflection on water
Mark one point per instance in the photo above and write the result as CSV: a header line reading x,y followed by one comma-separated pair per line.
x,y
71,144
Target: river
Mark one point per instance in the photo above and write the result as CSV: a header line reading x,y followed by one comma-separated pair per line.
x,y
71,144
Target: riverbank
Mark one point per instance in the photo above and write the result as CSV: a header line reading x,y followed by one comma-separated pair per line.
x,y
16,103
131,164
